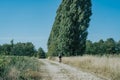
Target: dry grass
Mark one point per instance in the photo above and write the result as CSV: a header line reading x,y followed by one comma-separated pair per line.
x,y
20,68
13,74
107,67
30,74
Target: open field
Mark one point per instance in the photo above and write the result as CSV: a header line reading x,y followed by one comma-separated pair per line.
x,y
77,68
105,66
29,68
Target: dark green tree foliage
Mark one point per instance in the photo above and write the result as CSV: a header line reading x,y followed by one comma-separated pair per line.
x,y
89,47
5,49
12,46
95,48
24,49
110,46
118,47
41,53
69,31
19,49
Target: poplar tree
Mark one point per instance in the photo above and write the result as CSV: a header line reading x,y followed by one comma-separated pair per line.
x,y
69,31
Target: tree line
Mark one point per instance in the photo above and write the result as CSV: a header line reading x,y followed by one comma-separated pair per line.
x,y
109,46
21,49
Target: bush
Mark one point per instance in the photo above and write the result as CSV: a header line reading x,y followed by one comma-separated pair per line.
x,y
19,68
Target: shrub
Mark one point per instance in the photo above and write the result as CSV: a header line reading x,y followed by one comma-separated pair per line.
x,y
19,68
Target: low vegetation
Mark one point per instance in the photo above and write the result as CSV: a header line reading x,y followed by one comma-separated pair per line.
x,y
105,66
20,68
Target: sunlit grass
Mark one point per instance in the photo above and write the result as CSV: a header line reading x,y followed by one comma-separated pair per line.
x,y
105,66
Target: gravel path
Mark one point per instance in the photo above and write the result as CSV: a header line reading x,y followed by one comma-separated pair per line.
x,y
60,71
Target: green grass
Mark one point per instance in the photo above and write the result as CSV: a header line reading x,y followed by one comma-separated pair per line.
x,y
20,68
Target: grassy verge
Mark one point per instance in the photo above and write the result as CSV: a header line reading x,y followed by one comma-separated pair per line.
x,y
19,68
105,66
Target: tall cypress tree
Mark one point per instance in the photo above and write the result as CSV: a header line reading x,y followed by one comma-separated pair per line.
x,y
69,31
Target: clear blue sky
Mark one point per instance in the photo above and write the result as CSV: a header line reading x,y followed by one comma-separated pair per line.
x,y
32,20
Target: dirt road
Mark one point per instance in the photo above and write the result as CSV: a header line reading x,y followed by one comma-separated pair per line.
x,y
59,71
